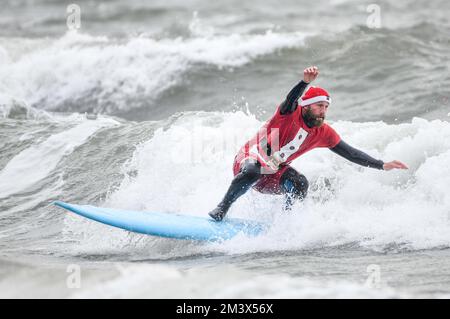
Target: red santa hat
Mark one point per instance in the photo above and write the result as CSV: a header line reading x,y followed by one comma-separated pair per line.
x,y
315,95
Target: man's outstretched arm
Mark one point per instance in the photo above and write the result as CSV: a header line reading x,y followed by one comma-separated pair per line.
x,y
291,103
356,156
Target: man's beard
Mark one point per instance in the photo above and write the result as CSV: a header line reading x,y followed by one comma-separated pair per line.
x,y
312,120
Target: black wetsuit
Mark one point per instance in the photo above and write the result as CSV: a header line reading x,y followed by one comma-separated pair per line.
x,y
293,184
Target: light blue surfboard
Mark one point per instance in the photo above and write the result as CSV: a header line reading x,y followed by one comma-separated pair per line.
x,y
168,225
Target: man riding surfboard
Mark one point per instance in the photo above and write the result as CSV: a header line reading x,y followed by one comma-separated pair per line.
x,y
294,129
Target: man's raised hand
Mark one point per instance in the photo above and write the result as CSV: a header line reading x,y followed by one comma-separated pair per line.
x,y
310,74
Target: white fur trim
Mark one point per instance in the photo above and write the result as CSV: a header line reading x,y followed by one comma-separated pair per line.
x,y
320,98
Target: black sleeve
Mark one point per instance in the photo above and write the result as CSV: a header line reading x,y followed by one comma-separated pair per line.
x,y
290,104
356,156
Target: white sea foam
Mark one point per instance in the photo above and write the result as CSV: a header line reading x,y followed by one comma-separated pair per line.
x,y
221,282
78,66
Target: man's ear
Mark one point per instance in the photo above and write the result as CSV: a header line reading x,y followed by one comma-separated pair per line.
x,y
305,108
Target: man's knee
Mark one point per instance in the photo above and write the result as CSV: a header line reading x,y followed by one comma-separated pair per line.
x,y
294,183
251,170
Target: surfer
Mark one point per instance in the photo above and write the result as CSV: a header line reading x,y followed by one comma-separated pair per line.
x,y
294,129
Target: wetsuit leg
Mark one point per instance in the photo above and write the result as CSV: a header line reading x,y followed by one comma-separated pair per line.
x,y
248,174
294,185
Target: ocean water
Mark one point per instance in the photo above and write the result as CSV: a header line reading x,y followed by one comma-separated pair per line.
x,y
144,107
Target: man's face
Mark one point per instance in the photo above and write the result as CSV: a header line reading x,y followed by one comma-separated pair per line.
x,y
315,113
